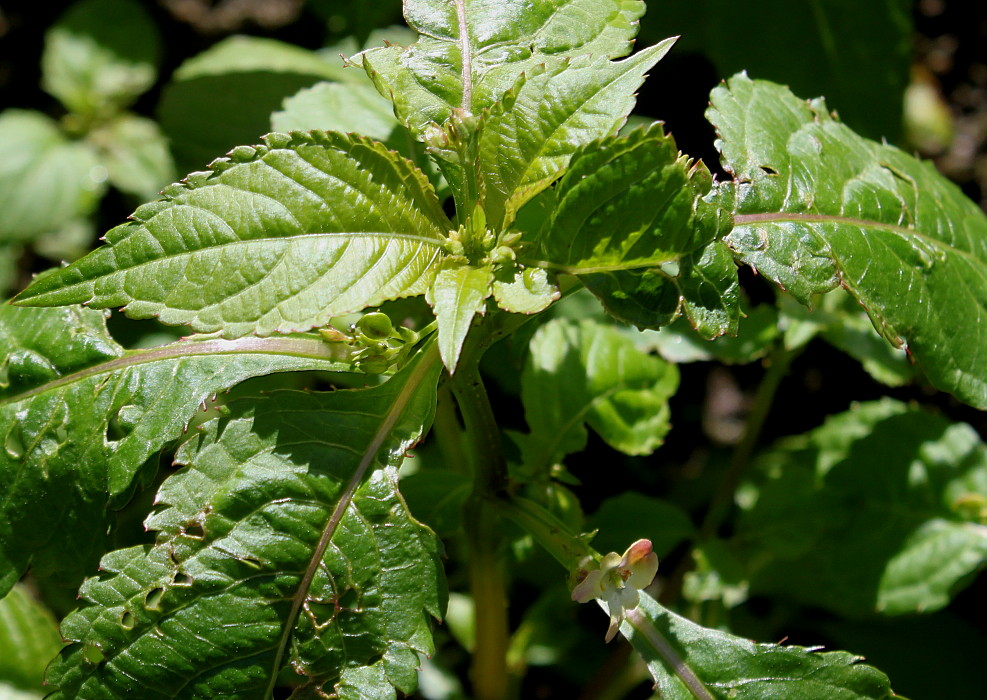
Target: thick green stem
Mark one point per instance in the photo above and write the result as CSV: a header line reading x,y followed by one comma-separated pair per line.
x,y
488,582
550,532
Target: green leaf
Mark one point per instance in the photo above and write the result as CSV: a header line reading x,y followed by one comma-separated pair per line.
x,y
284,552
224,97
526,141
351,107
79,415
589,373
524,290
689,662
679,343
100,56
135,154
458,293
29,639
471,52
624,203
879,510
815,205
274,239
630,221
46,180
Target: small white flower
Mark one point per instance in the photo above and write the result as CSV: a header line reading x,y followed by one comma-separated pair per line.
x,y
617,581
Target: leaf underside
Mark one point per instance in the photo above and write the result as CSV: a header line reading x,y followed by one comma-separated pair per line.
x,y
274,239
815,206
215,607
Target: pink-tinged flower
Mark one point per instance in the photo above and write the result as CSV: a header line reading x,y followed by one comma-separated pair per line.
x,y
617,581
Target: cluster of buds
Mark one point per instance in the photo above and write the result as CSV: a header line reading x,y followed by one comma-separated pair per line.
x,y
484,247
378,344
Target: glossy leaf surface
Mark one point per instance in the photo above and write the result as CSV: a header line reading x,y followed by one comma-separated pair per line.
x,y
815,205
882,509
526,141
280,542
276,238
689,662
79,416
629,220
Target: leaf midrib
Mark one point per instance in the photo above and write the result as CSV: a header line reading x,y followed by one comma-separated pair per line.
x,y
740,220
286,240
294,347
394,413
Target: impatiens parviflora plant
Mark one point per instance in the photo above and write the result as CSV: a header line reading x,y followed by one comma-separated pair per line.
x,y
285,556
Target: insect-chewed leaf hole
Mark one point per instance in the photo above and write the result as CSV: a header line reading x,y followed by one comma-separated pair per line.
x,y
152,601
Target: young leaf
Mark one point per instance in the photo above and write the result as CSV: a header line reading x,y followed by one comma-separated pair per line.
x,y
815,205
471,52
625,208
280,543
690,662
79,416
589,373
458,294
526,141
46,180
274,239
100,56
882,509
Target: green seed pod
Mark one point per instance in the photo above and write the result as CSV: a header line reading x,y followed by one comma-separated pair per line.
x,y
376,326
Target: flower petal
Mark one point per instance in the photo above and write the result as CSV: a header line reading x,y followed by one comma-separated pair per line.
x,y
589,588
612,598
643,572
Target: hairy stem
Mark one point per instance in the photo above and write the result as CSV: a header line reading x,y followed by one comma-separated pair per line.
x,y
488,582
